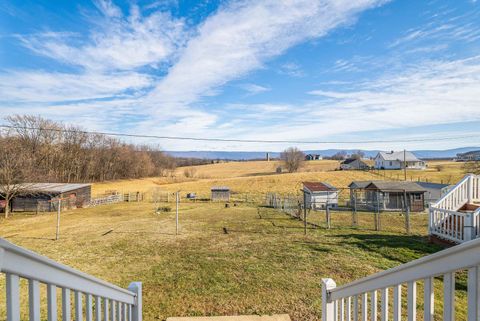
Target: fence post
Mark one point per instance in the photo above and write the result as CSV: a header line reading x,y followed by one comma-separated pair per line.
x,y
469,227
136,287
328,307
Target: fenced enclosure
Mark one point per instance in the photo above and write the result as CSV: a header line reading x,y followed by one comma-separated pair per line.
x,y
342,303
92,296
350,211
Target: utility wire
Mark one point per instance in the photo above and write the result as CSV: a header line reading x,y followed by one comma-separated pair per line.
x,y
431,139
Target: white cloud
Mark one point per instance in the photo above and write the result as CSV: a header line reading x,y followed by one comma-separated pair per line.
x,y
254,88
242,36
115,42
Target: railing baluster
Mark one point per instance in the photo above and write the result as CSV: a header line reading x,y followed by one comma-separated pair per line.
x,y
449,297
355,308
34,300
98,308
412,301
66,306
88,307
373,307
364,307
129,312
105,309
384,304
52,302
13,297
473,301
342,309
428,299
397,303
78,306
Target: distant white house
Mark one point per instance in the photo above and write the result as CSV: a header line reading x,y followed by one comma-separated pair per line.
x,y
319,194
396,160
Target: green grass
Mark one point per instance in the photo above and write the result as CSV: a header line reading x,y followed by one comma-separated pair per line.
x,y
265,264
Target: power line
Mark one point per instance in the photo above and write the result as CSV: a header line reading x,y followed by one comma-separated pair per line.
x,y
431,139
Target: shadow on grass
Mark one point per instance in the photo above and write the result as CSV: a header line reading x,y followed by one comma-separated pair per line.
x,y
401,248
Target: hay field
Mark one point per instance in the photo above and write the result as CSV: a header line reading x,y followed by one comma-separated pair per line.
x,y
263,265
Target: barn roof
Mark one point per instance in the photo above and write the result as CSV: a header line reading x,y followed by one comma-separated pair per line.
x,y
359,184
396,186
319,186
53,187
220,188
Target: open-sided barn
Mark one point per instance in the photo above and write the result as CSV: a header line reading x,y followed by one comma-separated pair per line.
x,y
42,197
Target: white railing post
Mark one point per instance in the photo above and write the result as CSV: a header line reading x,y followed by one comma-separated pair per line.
x,y
469,232
136,287
328,306
470,189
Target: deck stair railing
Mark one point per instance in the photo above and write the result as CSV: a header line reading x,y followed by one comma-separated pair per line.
x,y
97,298
368,298
447,221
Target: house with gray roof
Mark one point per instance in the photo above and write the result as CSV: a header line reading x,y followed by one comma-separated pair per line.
x,y
398,160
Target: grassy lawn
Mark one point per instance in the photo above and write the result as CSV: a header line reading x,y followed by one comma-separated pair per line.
x,y
263,265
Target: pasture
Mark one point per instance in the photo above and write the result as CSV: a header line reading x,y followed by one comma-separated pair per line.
x,y
245,259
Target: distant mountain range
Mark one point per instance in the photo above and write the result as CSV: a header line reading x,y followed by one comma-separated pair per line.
x,y
425,154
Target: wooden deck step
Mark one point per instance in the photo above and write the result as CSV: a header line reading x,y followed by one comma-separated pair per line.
x,y
276,317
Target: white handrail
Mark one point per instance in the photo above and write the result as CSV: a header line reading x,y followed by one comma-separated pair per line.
x,y
461,257
17,262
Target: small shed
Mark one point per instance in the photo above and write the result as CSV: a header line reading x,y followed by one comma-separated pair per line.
x,y
434,191
353,164
42,197
390,196
220,193
319,195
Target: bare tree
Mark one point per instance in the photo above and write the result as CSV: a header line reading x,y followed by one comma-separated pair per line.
x,y
358,155
339,155
292,158
15,170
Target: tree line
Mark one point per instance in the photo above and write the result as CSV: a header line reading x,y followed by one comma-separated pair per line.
x,y
38,149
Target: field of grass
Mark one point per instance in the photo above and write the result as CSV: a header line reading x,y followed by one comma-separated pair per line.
x,y
263,265
260,177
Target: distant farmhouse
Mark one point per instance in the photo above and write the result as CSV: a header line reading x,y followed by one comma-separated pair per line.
x,y
310,157
320,194
396,160
353,164
468,156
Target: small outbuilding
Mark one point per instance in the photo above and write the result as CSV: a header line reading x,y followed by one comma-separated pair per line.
x,y
43,197
391,195
434,191
220,193
319,195
354,164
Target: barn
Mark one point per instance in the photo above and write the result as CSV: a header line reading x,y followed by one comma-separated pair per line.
x,y
353,164
319,195
220,193
41,197
434,191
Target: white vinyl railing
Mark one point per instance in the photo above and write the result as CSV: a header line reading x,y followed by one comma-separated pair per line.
x,y
342,303
101,298
458,227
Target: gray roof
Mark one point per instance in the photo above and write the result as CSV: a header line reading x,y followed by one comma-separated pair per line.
x,y
359,184
53,187
220,188
432,185
398,156
396,186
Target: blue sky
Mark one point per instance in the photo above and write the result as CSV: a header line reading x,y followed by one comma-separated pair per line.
x,y
337,70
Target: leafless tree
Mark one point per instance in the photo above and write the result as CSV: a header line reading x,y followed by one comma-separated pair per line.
x,y
358,155
292,158
15,170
